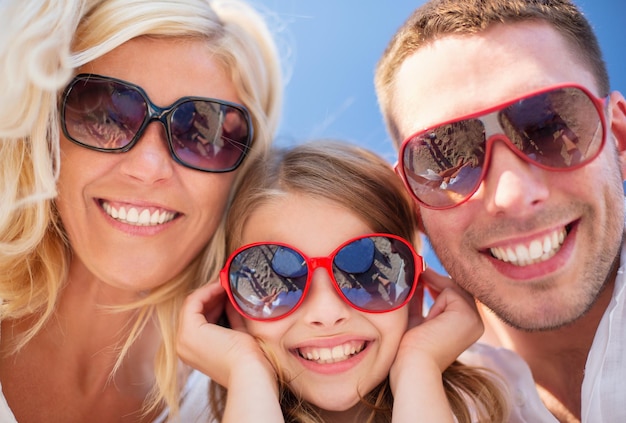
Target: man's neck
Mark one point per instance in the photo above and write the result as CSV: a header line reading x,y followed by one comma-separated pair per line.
x,y
556,358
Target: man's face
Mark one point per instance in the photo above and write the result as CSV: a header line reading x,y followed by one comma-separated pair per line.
x,y
576,217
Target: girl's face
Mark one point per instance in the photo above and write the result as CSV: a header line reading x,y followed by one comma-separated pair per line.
x,y
358,347
94,187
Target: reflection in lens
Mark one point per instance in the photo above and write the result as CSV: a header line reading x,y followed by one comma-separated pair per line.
x,y
288,263
443,165
388,280
208,135
258,289
557,129
356,257
182,119
103,114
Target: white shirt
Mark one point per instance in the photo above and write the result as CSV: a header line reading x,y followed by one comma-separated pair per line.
x,y
604,385
524,401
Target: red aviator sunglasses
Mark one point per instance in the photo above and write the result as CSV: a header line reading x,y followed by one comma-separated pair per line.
x,y
559,128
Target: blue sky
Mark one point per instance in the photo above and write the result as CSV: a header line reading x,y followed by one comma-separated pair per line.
x,y
333,45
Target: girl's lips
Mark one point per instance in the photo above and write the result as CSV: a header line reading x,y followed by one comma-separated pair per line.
x,y
334,357
328,355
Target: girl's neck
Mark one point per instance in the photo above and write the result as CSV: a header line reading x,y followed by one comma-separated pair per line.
x,y
353,415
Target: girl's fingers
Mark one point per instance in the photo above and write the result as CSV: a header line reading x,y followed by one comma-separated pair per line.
x,y
435,283
236,320
416,313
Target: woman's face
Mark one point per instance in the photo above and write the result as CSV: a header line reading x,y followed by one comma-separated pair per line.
x,y
95,187
357,348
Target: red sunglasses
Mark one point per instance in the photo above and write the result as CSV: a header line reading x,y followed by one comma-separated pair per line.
x,y
559,128
373,273
110,115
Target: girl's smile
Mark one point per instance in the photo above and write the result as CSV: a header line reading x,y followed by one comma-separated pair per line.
x,y
330,352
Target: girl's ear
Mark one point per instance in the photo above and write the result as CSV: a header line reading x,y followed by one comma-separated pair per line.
x,y
618,126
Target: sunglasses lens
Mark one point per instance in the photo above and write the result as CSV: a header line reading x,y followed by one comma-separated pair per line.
x,y
267,281
357,256
288,263
558,129
209,135
443,165
102,114
108,115
376,273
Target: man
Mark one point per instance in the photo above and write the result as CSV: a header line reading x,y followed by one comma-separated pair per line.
x,y
531,221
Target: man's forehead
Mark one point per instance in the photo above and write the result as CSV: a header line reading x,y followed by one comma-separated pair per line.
x,y
458,75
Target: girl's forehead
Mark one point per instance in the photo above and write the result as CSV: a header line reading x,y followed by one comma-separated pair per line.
x,y
314,225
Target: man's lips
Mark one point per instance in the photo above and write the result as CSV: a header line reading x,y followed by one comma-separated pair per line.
x,y
533,251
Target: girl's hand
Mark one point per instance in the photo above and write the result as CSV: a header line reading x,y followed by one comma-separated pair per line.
x,y
219,352
231,357
451,326
428,347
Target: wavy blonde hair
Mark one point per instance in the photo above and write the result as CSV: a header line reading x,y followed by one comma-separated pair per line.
x,y
364,183
42,44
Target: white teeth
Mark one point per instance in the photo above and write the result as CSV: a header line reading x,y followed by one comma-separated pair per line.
x,y
331,355
537,251
522,253
325,354
154,219
144,217
132,215
338,352
348,350
138,217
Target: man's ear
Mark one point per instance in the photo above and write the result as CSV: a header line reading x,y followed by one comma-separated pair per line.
x,y
618,126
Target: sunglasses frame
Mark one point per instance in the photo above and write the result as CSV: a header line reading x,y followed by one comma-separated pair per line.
x,y
312,263
156,113
599,103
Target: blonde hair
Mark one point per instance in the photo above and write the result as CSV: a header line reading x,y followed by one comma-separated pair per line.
x,y
438,18
41,46
364,183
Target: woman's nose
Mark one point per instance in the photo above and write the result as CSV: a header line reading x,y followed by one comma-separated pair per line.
x,y
149,160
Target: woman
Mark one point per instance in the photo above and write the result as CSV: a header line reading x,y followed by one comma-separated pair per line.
x,y
109,218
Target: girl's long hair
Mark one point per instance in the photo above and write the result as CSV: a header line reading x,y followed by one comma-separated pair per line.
x,y
365,184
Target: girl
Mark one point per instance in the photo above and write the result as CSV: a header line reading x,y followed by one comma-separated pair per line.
x,y
320,279
124,127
